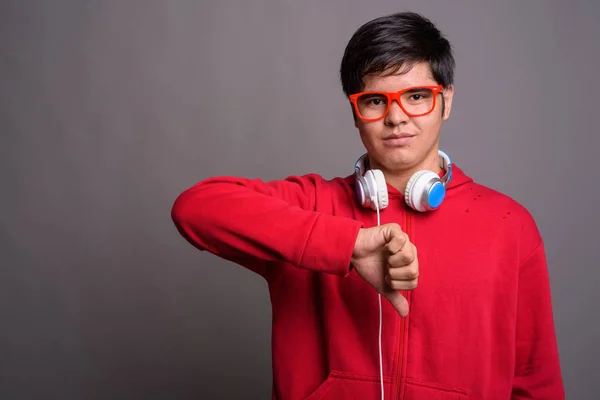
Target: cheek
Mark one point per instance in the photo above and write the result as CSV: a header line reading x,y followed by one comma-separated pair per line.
x,y
429,126
369,131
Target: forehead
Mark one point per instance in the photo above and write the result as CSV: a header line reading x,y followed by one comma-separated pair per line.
x,y
418,75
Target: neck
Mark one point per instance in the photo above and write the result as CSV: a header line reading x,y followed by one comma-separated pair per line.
x,y
398,178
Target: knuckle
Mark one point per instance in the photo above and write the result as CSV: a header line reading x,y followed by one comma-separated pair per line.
x,y
396,285
401,261
412,253
413,274
409,258
405,238
404,285
412,258
400,241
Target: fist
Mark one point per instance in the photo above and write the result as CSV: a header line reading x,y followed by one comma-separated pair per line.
x,y
386,259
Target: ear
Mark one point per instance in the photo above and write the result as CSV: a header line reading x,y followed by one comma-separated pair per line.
x,y
448,96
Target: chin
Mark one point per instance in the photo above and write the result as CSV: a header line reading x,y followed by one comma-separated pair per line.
x,y
399,157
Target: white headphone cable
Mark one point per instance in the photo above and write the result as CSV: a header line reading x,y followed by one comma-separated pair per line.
x,y
380,317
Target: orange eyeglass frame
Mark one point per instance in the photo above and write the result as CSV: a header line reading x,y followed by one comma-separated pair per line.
x,y
395,96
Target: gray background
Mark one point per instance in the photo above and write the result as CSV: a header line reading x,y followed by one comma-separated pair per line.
x,y
109,109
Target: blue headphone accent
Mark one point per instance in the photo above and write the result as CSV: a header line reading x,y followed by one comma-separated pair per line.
x,y
436,195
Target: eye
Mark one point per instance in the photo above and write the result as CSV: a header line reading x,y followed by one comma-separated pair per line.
x,y
417,95
372,100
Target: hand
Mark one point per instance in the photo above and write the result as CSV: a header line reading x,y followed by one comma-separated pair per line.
x,y
386,259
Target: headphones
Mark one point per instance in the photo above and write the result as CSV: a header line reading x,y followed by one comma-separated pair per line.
x,y
425,190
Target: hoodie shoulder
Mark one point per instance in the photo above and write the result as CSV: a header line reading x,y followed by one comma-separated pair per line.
x,y
494,205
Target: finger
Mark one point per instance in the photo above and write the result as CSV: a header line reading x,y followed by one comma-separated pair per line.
x,y
398,302
406,273
403,284
406,256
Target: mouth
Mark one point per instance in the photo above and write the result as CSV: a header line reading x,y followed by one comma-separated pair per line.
x,y
398,139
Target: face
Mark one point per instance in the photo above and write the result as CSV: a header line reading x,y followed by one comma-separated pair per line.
x,y
398,142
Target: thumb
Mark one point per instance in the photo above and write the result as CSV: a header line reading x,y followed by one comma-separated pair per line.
x,y
398,301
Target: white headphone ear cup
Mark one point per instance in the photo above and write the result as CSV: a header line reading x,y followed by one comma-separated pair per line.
x,y
382,192
361,195
415,194
377,186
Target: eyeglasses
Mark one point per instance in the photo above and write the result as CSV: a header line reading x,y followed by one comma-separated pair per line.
x,y
415,102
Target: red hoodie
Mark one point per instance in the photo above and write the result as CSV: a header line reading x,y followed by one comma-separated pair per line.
x,y
480,324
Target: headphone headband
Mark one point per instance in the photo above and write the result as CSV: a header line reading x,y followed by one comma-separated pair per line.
x,y
359,166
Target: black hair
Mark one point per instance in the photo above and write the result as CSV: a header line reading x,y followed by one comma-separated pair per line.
x,y
394,43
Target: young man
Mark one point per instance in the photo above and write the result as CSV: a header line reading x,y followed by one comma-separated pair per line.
x,y
468,312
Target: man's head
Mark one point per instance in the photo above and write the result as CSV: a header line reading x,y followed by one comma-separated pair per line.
x,y
384,57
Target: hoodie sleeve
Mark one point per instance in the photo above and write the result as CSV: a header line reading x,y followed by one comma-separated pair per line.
x,y
537,372
259,224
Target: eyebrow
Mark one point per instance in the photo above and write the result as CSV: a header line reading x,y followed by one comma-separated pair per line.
x,y
414,90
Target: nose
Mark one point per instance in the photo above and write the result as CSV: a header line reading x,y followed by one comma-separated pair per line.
x,y
396,115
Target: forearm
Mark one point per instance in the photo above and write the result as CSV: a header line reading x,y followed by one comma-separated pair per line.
x,y
239,221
